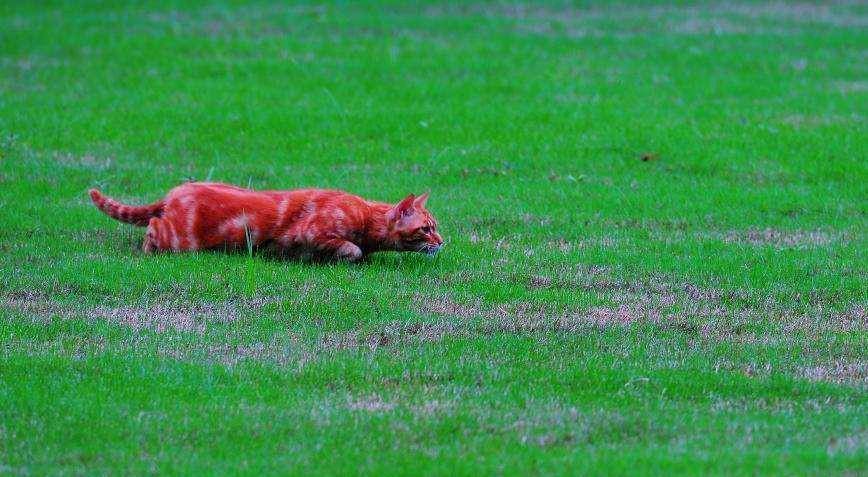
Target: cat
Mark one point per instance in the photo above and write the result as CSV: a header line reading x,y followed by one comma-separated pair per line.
x,y
328,224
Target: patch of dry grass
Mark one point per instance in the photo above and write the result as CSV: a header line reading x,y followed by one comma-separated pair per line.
x,y
371,403
157,317
388,334
814,121
838,372
292,352
780,239
707,312
841,371
722,18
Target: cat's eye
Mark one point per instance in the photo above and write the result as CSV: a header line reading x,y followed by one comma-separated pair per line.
x,y
425,230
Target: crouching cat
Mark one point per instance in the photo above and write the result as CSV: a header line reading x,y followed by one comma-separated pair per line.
x,y
330,224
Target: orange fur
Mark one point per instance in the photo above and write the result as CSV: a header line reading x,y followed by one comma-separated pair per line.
x,y
328,223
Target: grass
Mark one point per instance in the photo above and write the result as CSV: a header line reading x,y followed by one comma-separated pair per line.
x,y
655,215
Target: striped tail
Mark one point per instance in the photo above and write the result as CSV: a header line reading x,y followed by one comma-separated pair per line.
x,y
126,213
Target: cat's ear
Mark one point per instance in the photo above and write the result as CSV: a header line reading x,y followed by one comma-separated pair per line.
x,y
405,207
420,201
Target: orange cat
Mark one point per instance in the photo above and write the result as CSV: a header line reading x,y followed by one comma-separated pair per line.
x,y
325,223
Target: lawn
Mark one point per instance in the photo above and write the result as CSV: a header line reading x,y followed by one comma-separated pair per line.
x,y
656,219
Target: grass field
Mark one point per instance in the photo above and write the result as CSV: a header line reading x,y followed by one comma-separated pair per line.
x,y
655,215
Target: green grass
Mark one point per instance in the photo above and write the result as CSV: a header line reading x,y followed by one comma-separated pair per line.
x,y
699,312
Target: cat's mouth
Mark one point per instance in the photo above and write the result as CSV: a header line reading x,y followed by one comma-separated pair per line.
x,y
432,250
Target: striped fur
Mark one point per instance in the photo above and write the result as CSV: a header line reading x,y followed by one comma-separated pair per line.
x,y
328,223
126,213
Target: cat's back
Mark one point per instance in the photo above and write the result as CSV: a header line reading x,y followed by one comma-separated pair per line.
x,y
219,193
218,196
206,187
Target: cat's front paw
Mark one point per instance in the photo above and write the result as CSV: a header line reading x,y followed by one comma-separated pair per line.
x,y
348,251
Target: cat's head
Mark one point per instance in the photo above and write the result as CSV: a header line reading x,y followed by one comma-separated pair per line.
x,y
412,228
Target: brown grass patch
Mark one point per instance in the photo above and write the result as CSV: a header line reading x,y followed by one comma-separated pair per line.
x,y
539,281
247,21
834,14
708,26
527,317
855,317
432,407
819,319
780,238
25,64
707,312
372,403
157,317
813,121
566,246
160,317
838,372
389,334
854,444
779,18
76,347
280,354
86,161
847,87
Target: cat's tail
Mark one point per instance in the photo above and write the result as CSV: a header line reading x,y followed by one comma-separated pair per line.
x,y
136,215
